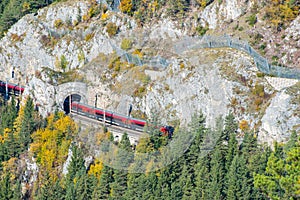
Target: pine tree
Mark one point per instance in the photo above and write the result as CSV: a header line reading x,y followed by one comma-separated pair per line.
x,y
76,165
124,158
281,177
11,14
76,169
58,192
103,189
8,115
45,190
6,192
119,186
84,186
234,184
239,182
150,182
198,130
217,175
202,179
27,125
136,186
232,150
17,191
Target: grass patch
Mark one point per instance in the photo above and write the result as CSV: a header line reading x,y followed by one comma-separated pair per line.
x,y
58,77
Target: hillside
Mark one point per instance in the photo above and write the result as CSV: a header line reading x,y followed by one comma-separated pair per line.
x,y
201,66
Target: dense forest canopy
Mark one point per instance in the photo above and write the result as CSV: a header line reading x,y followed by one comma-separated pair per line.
x,y
12,10
231,170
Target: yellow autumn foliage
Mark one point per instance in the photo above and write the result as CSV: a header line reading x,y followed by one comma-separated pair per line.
x,y
126,6
96,168
50,145
104,16
243,125
18,122
11,166
4,137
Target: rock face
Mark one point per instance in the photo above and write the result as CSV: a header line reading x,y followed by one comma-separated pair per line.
x,y
214,81
279,119
216,13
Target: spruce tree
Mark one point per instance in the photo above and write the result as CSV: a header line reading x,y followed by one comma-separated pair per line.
x,y
239,182
8,115
202,179
27,125
217,175
6,192
58,192
103,189
123,160
76,165
84,186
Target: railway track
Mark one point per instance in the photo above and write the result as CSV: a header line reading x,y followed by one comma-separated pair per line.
x,y
117,131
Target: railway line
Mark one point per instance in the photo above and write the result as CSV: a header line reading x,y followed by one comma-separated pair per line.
x,y
116,123
117,131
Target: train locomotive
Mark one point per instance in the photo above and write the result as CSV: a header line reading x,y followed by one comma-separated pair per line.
x,y
116,118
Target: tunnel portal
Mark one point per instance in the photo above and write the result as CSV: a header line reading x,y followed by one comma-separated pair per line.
x,y
69,99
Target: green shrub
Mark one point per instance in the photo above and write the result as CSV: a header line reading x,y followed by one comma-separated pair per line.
x,y
61,63
259,90
260,74
89,36
111,29
140,91
58,23
201,30
80,56
126,44
252,19
263,46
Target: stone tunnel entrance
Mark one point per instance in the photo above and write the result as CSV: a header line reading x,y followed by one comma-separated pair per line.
x,y
69,99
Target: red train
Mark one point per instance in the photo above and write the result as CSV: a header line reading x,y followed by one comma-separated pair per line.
x,y
98,113
11,87
115,118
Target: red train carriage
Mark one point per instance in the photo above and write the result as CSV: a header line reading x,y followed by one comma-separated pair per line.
x,y
115,118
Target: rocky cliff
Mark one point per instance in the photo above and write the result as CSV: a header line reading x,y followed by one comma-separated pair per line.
x,y
65,43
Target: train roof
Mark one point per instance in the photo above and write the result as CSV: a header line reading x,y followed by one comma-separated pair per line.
x,y
114,113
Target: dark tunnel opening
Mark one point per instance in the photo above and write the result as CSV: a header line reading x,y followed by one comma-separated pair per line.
x,y
69,100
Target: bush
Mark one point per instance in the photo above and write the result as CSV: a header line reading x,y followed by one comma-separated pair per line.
x,y
259,90
201,30
111,29
263,46
252,19
126,44
89,36
126,6
80,56
61,63
104,16
138,52
243,125
58,23
182,65
85,18
140,91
